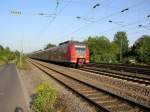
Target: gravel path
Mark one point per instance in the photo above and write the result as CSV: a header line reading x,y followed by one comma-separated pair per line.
x,y
33,77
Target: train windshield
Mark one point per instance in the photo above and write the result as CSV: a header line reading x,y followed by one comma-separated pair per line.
x,y
80,50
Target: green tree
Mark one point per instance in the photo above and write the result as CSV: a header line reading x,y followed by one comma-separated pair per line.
x,y
7,49
101,49
114,51
141,49
121,40
1,48
91,42
49,45
17,53
6,55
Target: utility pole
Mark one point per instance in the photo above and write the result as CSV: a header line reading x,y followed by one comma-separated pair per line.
x,y
121,51
18,13
21,52
20,60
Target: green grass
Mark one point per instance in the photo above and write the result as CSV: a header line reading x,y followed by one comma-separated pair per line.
x,y
6,56
21,63
2,63
44,98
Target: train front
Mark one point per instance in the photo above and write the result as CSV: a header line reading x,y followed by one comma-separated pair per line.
x,y
80,54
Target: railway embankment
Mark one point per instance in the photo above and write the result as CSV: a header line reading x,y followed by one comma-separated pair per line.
x,y
132,91
67,100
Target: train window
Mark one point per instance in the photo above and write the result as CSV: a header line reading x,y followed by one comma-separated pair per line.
x,y
80,50
65,49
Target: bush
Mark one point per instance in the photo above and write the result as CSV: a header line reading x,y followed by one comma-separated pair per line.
x,y
44,98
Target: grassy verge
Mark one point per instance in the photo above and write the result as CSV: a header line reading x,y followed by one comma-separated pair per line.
x,y
21,63
2,63
47,99
44,99
8,56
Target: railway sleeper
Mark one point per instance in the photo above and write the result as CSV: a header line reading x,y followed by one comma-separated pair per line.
x,y
87,91
79,86
110,102
67,83
101,98
120,107
119,76
135,110
95,94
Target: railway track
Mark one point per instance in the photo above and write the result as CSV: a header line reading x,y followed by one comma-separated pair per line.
x,y
137,78
122,67
106,101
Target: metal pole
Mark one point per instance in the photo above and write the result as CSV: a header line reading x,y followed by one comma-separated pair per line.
x,y
21,51
121,51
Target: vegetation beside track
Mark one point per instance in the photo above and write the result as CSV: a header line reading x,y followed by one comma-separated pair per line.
x,y
9,56
6,55
102,50
44,98
129,89
21,62
47,99
1,63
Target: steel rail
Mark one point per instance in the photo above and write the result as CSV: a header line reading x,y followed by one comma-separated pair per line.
x,y
128,77
104,100
128,68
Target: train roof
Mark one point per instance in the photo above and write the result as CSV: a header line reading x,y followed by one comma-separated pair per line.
x,y
66,42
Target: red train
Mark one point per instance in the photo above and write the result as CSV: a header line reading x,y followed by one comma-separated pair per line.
x,y
70,52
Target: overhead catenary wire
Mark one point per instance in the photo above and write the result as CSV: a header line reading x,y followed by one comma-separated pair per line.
x,y
94,6
85,16
90,11
53,19
105,17
84,26
129,24
60,11
126,25
131,33
40,33
143,26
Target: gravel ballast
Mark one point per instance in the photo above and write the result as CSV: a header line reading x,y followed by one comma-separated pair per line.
x,y
33,77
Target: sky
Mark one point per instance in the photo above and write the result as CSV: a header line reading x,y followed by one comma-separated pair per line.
x,y
31,31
